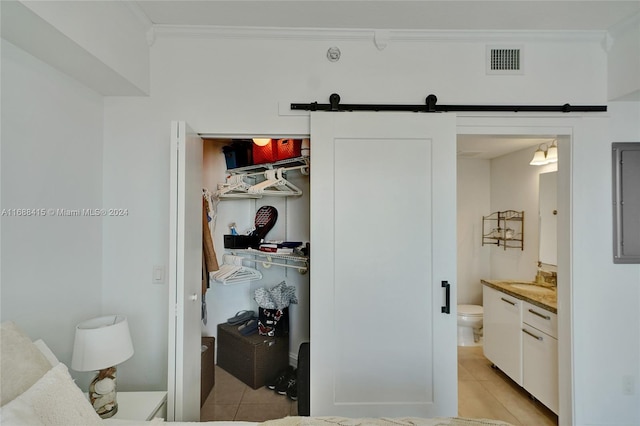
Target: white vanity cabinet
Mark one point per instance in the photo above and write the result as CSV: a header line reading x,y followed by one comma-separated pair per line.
x,y
540,354
502,330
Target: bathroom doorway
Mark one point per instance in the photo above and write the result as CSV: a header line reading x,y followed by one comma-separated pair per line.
x,y
493,173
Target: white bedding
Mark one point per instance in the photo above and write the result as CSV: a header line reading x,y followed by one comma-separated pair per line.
x,y
330,421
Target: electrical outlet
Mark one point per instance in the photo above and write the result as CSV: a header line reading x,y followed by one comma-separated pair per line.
x,y
628,385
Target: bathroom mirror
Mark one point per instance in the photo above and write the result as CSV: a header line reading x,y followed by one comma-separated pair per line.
x,y
548,205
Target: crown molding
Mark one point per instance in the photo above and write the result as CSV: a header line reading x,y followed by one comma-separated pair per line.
x,y
143,19
322,34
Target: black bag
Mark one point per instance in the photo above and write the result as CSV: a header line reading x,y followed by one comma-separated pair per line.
x,y
273,322
303,380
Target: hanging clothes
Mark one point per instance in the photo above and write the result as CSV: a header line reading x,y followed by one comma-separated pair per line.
x,y
209,258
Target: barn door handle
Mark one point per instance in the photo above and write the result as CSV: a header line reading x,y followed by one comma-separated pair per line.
x,y
446,309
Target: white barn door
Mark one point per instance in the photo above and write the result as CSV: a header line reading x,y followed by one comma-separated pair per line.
x,y
185,269
383,238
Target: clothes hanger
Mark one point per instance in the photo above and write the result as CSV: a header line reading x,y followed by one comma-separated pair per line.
x,y
232,271
235,187
275,184
269,179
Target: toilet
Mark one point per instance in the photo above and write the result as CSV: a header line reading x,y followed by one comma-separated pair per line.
x,y
470,325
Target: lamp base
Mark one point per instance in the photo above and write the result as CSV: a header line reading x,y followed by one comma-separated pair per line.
x,y
102,393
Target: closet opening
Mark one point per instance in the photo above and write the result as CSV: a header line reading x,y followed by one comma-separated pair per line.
x,y
256,189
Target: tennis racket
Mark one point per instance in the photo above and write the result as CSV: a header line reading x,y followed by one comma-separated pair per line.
x,y
266,217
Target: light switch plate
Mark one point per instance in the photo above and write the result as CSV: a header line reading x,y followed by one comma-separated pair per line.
x,y
157,276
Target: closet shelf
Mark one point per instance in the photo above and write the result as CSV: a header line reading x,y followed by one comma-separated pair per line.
x,y
289,162
263,180
267,259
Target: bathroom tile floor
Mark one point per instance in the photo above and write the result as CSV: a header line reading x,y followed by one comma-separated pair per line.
x,y
483,392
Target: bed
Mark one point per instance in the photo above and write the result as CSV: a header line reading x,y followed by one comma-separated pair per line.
x,y
36,389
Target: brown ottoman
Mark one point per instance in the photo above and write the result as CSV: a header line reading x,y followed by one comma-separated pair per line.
x,y
252,359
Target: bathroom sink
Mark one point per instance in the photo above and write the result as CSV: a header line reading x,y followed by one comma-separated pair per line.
x,y
532,288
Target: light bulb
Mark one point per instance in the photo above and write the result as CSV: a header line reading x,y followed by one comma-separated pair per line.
x,y
261,141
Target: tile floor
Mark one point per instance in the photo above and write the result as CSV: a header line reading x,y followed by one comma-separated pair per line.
x,y
483,392
231,399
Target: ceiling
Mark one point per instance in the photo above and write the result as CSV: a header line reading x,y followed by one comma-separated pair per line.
x,y
491,146
394,14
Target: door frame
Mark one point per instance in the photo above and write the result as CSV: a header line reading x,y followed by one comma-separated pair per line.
x,y
566,129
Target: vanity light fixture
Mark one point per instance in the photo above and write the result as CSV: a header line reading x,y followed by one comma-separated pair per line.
x,y
552,153
545,154
261,141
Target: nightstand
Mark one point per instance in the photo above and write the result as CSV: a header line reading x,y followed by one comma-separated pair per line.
x,y
141,405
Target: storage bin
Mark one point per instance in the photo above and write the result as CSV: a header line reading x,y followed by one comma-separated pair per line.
x,y
241,241
238,154
288,148
207,370
265,154
253,359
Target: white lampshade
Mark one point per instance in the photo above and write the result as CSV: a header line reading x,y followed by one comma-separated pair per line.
x,y
101,343
539,158
552,153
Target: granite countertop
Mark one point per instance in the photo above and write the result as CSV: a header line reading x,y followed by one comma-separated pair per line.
x,y
545,299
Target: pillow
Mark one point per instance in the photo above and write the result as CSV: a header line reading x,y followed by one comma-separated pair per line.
x,y
21,363
13,414
53,400
48,354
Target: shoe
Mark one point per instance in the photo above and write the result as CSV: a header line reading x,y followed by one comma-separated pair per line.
x,y
288,381
292,390
248,328
275,380
241,317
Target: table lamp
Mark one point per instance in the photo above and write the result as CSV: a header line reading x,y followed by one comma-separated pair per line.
x,y
100,344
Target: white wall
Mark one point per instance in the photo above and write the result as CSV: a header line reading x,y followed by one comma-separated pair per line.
x,y
624,61
101,44
514,186
605,344
485,186
125,50
51,159
473,200
222,84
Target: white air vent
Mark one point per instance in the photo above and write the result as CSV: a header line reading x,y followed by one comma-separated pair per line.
x,y
505,60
